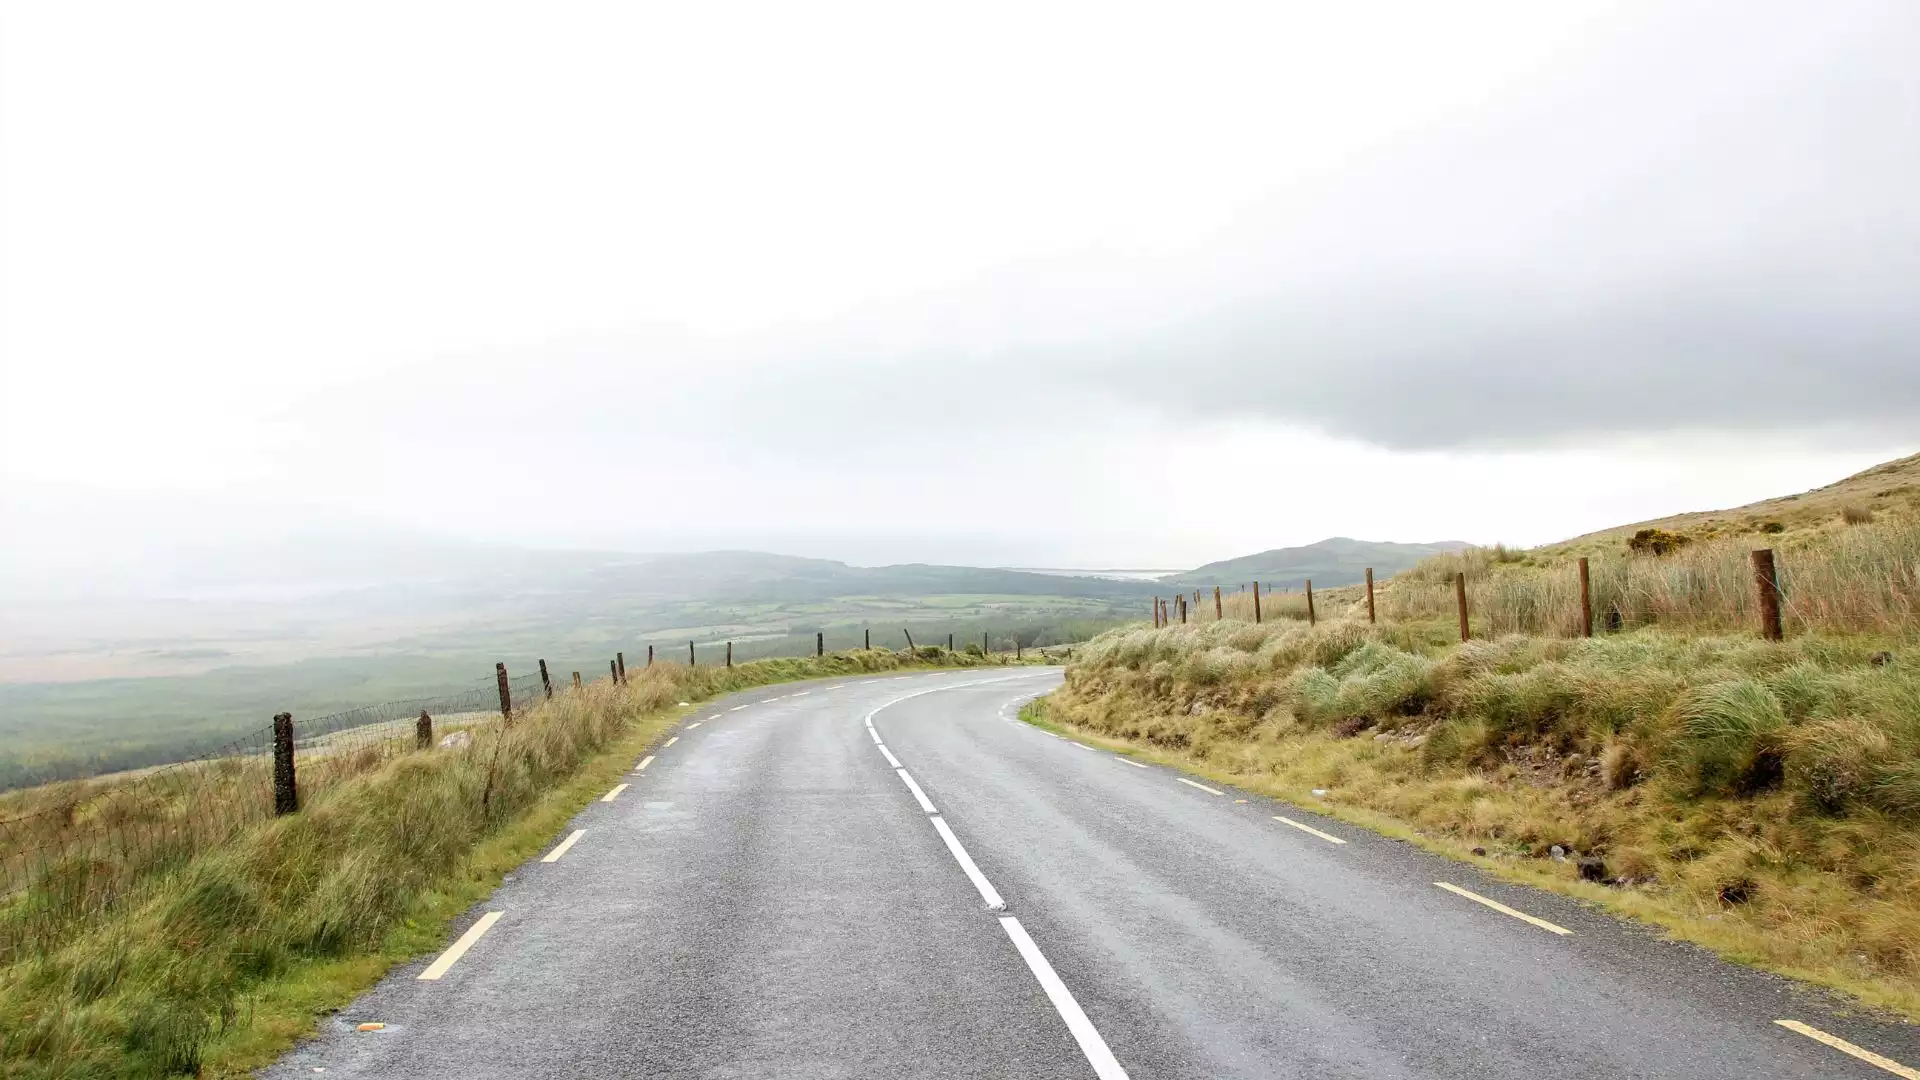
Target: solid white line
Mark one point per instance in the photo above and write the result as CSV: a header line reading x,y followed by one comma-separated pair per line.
x,y
737,708
693,725
1846,1047
891,760
554,855
1308,829
1504,909
1202,787
917,793
802,693
1084,1033
644,762
1129,761
876,736
671,741
715,716
459,948
980,882
614,794
1082,746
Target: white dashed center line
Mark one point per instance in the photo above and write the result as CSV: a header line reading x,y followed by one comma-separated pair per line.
x,y
1202,787
1308,829
1504,909
554,855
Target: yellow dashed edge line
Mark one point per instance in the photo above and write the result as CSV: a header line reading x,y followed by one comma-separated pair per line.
x,y
1504,909
554,855
1846,1047
459,948
1308,829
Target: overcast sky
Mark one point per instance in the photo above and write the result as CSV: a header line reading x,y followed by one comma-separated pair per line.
x,y
1023,283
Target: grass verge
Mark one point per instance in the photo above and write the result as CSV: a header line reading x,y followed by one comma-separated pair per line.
x,y
1752,797
227,960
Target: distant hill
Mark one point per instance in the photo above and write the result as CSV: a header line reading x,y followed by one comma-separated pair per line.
x,y
1338,560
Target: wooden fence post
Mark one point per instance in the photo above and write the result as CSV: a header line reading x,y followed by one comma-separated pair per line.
x,y
1256,602
1016,646
984,651
1767,579
649,656
506,693
869,644
576,680
1183,609
819,643
909,634
1586,600
620,658
546,684
1460,594
729,654
690,657
1370,618
1310,616
1219,612
286,796
613,672
423,731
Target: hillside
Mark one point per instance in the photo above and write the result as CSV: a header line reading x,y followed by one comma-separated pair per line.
x,y
1336,560
1892,487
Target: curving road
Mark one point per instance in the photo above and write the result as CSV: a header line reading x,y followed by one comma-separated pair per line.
x,y
771,897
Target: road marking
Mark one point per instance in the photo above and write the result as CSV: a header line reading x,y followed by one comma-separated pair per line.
x,y
917,793
693,725
1130,761
980,882
644,762
1047,733
1846,1047
1202,787
459,948
614,794
891,760
671,741
1329,838
1504,909
876,736
802,693
1084,1033
737,708
715,716
554,855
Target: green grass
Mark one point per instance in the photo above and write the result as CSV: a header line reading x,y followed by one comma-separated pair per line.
x,y
1760,798
215,965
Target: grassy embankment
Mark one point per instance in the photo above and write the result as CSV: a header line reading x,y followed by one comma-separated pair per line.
x,y
220,960
1760,798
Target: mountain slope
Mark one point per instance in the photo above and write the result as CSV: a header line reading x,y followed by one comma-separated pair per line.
x,y
1337,560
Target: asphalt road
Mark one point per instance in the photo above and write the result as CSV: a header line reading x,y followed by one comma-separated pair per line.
x,y
770,897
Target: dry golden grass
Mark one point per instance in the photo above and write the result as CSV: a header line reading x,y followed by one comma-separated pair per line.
x,y
1761,798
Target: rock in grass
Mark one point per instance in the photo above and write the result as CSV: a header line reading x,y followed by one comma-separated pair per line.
x,y
1593,868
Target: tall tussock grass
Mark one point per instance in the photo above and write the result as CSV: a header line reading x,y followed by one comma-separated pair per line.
x,y
1862,578
142,989
1762,797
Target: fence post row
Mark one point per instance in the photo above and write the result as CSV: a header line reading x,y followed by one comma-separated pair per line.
x,y
1256,602
506,693
546,684
1767,579
423,731
1460,594
1586,600
286,797
1310,617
